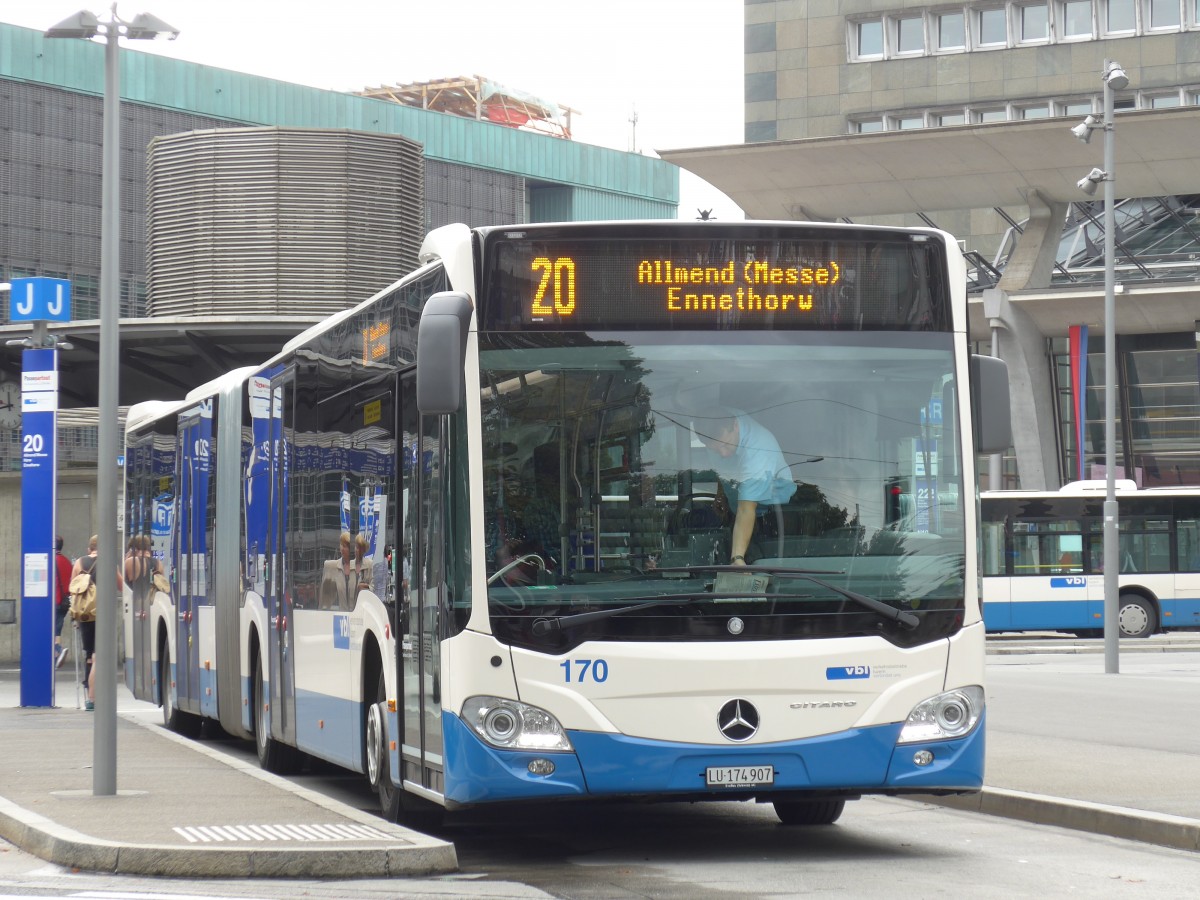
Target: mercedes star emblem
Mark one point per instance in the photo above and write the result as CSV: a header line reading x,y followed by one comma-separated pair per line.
x,y
738,720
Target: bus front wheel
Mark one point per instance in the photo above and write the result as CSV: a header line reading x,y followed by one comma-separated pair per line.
x,y
1136,617
809,812
379,769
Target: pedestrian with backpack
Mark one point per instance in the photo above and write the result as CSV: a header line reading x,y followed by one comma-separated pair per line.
x,y
83,611
62,581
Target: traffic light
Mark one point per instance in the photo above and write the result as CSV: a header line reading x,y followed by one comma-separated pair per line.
x,y
893,490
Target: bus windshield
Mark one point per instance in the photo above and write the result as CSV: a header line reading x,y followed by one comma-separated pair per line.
x,y
616,466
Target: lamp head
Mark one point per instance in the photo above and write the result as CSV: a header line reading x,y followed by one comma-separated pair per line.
x,y
83,24
1115,77
1083,130
1088,182
146,27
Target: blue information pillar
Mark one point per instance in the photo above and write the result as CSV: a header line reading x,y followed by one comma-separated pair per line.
x,y
38,300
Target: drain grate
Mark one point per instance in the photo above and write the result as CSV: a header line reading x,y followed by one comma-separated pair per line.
x,y
213,834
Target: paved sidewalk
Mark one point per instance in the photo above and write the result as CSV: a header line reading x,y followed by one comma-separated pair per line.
x,y
180,808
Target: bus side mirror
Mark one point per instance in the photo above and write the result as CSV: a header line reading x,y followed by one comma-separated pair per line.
x,y
442,352
990,404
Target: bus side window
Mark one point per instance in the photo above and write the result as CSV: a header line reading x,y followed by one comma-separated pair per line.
x,y
1070,554
1188,544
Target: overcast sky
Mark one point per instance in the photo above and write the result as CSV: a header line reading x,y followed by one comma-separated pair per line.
x,y
678,63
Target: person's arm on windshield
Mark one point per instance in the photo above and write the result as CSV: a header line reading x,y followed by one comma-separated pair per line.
x,y
743,529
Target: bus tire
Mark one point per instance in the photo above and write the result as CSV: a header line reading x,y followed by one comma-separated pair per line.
x,y
1136,617
272,755
809,812
174,719
379,766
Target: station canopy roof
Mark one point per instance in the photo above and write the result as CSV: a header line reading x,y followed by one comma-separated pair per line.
x,y
162,358
957,167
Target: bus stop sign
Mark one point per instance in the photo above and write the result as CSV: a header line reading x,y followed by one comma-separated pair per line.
x,y
40,299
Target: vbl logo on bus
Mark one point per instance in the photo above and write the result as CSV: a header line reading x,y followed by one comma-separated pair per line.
x,y
840,673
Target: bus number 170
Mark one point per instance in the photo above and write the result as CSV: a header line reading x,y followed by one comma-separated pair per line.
x,y
581,667
557,284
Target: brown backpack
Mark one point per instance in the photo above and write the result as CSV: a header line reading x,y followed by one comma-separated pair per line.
x,y
83,594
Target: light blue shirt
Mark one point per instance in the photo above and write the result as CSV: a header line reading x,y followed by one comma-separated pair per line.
x,y
757,469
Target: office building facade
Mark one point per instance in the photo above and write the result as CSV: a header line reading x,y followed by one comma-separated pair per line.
x,y
848,76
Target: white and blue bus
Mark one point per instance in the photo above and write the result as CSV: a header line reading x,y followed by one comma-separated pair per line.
x,y
1043,567
478,537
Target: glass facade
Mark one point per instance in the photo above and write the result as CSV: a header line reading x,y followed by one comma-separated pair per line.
x,y
1157,416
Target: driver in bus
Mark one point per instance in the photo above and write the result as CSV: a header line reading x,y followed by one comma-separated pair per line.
x,y
747,457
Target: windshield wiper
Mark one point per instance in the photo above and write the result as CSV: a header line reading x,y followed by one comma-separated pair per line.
x,y
558,623
546,625
907,619
770,570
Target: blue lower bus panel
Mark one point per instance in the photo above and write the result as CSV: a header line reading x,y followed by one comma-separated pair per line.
x,y
864,759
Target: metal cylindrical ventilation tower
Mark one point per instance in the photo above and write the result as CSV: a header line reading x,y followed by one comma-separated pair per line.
x,y
279,221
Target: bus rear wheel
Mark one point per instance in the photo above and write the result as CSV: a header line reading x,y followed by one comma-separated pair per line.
x,y
1136,617
173,717
809,812
272,755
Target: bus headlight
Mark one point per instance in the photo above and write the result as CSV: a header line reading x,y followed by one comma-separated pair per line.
x,y
511,725
946,716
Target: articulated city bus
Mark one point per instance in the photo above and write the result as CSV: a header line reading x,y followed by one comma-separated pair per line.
x,y
1043,567
668,510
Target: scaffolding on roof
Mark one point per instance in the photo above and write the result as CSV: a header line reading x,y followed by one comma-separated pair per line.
x,y
481,99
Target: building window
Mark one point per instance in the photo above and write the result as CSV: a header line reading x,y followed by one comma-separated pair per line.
x,y
1075,108
1120,16
1162,101
1040,111
1163,14
995,114
910,34
1076,20
1034,21
951,118
907,123
951,31
993,27
870,39
867,126
1014,23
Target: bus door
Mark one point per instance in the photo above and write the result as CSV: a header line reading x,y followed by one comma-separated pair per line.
x,y
280,653
195,432
420,586
996,601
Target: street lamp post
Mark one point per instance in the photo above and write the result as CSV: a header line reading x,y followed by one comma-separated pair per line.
x,y
87,25
1114,79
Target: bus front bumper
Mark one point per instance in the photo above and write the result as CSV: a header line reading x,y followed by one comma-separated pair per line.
x,y
858,761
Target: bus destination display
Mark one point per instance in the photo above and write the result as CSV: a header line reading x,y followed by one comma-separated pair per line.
x,y
680,284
